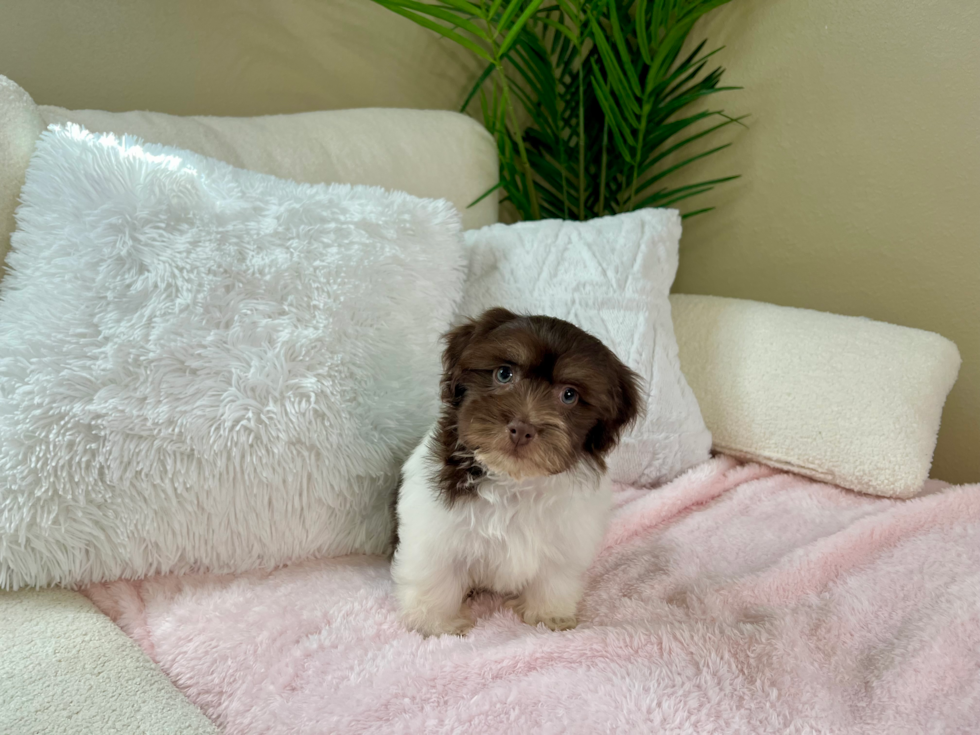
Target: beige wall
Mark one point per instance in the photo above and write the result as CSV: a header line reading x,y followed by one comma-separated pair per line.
x,y
861,189
226,57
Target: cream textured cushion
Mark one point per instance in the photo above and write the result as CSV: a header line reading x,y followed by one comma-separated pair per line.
x,y
209,368
428,153
67,669
841,399
610,276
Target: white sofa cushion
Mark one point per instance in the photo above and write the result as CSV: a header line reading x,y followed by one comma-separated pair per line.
x,y
842,399
209,368
610,276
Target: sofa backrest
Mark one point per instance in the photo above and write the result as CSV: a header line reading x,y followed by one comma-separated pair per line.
x,y
437,154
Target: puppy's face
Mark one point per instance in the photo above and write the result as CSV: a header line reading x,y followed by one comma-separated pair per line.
x,y
534,395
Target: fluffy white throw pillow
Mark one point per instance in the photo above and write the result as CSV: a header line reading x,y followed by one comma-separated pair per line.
x,y
208,368
610,276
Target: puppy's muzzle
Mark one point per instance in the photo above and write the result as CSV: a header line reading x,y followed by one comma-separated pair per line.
x,y
521,433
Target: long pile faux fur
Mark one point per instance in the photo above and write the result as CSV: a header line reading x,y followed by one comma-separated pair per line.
x,y
208,368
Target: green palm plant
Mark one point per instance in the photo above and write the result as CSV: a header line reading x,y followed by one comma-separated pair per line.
x,y
587,99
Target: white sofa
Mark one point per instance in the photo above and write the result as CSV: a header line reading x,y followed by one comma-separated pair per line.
x,y
67,669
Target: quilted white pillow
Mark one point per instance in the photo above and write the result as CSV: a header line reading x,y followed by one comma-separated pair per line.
x,y
208,368
610,276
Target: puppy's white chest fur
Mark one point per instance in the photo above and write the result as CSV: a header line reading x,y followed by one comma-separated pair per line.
x,y
510,530
532,538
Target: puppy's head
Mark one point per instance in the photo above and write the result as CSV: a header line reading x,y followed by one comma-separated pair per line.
x,y
535,395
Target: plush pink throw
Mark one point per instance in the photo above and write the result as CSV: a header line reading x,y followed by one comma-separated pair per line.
x,y
737,599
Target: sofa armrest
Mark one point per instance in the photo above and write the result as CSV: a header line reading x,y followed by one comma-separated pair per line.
x,y
65,668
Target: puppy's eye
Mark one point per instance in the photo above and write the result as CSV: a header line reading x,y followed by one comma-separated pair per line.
x,y
503,374
569,396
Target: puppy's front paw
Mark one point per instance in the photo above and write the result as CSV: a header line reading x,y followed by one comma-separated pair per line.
x,y
555,622
561,623
532,616
454,626
459,624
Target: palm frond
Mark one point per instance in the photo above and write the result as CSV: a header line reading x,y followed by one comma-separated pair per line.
x,y
589,100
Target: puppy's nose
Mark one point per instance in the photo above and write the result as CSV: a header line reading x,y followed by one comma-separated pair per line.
x,y
521,432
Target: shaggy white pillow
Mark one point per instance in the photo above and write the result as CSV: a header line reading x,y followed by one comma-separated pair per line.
x,y
610,276
208,368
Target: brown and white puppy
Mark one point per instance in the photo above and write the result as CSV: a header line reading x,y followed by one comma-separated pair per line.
x,y
508,492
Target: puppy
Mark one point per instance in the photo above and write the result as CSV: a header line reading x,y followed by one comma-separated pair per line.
x,y
508,492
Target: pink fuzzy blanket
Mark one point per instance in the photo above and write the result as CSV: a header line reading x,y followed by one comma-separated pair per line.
x,y
736,599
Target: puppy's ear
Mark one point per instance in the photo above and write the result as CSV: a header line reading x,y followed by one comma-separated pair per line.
x,y
626,409
456,342
493,318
